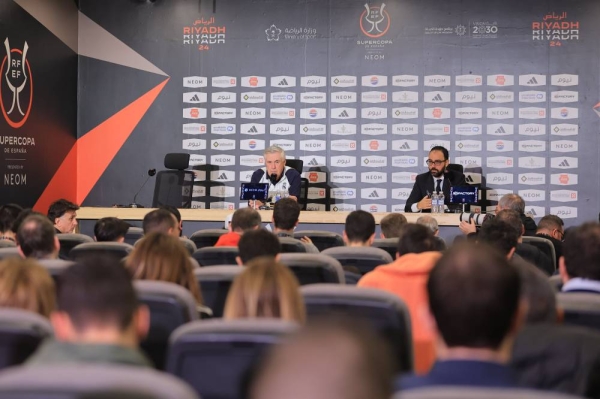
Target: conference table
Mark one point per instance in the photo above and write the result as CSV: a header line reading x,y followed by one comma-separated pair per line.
x,y
197,219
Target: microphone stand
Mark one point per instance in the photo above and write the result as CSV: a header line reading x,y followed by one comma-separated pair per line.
x,y
134,204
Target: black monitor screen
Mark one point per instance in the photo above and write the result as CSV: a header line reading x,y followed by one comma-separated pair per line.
x,y
254,191
463,195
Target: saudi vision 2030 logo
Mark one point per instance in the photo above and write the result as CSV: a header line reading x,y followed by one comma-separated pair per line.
x,y
16,87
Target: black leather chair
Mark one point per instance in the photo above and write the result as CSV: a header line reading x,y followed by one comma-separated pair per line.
x,y
207,237
211,256
70,241
174,186
216,356
389,245
297,164
170,307
21,332
386,312
114,250
544,245
321,239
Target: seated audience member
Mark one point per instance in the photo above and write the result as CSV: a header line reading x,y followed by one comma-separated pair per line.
x,y
8,215
110,229
162,257
327,360
175,212
266,288
243,220
430,223
63,214
286,212
552,228
503,237
580,264
391,224
406,277
24,284
474,300
160,221
526,251
98,320
547,355
359,230
257,243
36,238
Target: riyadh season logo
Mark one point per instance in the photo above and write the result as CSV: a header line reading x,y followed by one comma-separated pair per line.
x,y
16,88
555,29
204,33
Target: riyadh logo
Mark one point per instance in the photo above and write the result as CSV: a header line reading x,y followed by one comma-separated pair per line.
x,y
16,89
273,33
375,21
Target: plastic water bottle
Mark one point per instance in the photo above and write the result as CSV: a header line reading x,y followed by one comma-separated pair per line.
x,y
441,202
277,196
434,202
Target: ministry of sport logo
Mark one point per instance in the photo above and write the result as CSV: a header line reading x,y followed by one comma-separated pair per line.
x,y
16,86
375,21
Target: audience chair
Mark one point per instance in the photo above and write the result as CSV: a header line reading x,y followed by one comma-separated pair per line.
x,y
133,235
211,256
314,268
7,244
55,267
70,241
170,307
556,282
217,356
215,282
321,239
364,259
291,245
195,264
386,312
9,252
207,237
580,308
188,244
114,250
450,392
21,332
544,245
91,381
389,245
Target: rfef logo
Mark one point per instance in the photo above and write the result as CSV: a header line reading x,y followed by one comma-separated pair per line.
x,y
16,89
375,21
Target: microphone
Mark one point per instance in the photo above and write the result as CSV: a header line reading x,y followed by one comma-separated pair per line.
x,y
151,172
273,178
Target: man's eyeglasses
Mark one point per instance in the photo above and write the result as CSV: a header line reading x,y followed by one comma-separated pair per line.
x,y
436,163
562,233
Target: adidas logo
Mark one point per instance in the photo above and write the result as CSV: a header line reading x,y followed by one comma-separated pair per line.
x,y
222,176
405,146
283,83
532,81
344,114
374,195
253,129
564,164
313,162
195,98
469,179
500,130
438,97
532,212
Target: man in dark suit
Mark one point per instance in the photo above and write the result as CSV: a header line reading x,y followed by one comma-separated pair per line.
x,y
474,297
552,227
437,179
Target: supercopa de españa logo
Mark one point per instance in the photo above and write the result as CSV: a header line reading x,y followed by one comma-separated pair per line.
x,y
16,86
375,22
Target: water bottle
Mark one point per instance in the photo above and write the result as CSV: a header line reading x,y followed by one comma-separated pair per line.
x,y
277,196
434,202
441,202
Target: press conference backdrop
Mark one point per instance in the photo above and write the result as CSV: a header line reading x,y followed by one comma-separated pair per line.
x,y
359,91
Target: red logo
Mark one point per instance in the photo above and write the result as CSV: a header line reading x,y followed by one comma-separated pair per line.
x,y
563,179
253,81
375,21
16,88
500,80
437,113
313,177
194,112
374,145
574,195
321,193
203,128
353,145
373,208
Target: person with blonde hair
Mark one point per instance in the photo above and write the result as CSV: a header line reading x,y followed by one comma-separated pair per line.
x,y
162,257
266,288
24,284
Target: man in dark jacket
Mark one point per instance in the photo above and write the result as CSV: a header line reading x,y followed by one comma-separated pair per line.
x,y
438,179
552,228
